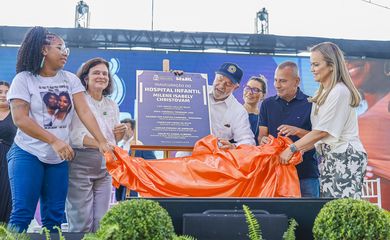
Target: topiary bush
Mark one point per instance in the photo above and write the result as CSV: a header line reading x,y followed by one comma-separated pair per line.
x,y
351,219
136,219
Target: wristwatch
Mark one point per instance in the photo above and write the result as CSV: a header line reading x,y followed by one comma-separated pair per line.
x,y
293,148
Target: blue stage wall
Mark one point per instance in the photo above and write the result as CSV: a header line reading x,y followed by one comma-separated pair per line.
x,y
125,63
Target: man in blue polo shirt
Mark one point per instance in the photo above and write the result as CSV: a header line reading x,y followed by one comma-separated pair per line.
x,y
288,113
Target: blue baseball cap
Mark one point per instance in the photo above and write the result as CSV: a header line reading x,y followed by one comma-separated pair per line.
x,y
231,71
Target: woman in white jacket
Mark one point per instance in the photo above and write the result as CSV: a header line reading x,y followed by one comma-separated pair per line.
x,y
335,133
89,182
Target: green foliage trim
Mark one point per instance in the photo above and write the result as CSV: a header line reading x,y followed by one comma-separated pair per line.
x,y
184,237
253,224
90,236
351,219
136,219
4,233
290,233
9,233
60,236
47,233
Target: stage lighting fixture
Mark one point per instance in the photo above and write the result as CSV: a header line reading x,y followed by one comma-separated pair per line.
x,y
262,21
82,15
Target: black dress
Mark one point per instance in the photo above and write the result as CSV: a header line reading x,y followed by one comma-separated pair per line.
x,y
7,135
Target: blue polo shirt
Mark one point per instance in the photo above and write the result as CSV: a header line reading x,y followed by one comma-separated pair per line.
x,y
276,111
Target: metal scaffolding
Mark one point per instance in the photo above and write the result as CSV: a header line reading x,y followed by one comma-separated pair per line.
x,y
198,41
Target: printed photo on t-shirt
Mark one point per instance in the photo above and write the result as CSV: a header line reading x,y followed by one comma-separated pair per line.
x,y
57,105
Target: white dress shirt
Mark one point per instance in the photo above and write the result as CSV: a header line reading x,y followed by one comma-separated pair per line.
x,y
229,120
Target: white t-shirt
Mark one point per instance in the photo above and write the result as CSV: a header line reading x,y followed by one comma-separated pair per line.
x,y
51,107
339,119
106,112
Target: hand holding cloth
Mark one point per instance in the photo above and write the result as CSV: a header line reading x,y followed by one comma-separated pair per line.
x,y
247,171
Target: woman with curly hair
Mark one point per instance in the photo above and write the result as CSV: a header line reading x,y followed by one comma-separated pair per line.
x,y
37,160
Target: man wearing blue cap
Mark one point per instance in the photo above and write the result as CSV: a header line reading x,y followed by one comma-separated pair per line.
x,y
229,119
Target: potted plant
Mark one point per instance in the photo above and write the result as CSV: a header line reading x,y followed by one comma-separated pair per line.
x,y
136,219
351,219
254,226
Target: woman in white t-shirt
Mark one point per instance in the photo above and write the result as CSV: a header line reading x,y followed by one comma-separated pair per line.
x,y
37,160
335,133
87,172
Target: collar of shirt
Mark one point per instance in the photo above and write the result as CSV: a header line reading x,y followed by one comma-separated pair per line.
x,y
299,96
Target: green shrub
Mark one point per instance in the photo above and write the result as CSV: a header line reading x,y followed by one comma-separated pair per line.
x,y
351,219
137,219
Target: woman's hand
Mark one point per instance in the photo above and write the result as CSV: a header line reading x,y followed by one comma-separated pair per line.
x,y
285,156
106,147
64,151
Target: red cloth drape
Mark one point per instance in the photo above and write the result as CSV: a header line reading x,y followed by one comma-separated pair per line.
x,y
248,171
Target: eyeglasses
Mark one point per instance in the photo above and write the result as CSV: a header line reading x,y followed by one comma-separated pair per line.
x,y
252,90
63,49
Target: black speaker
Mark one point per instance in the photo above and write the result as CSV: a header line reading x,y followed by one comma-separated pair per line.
x,y
232,225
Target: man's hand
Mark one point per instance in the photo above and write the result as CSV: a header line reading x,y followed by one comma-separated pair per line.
x,y
225,144
119,131
264,140
177,72
288,130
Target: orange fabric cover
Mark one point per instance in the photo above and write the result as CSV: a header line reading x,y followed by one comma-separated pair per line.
x,y
248,171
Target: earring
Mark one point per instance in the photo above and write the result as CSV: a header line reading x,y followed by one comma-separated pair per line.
x,y
42,62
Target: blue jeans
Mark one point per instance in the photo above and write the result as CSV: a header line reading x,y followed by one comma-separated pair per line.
x,y
30,180
310,187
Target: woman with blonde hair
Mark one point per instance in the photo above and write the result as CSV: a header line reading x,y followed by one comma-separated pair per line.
x,y
334,132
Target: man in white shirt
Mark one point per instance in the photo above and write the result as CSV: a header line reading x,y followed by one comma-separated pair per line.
x,y
229,119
